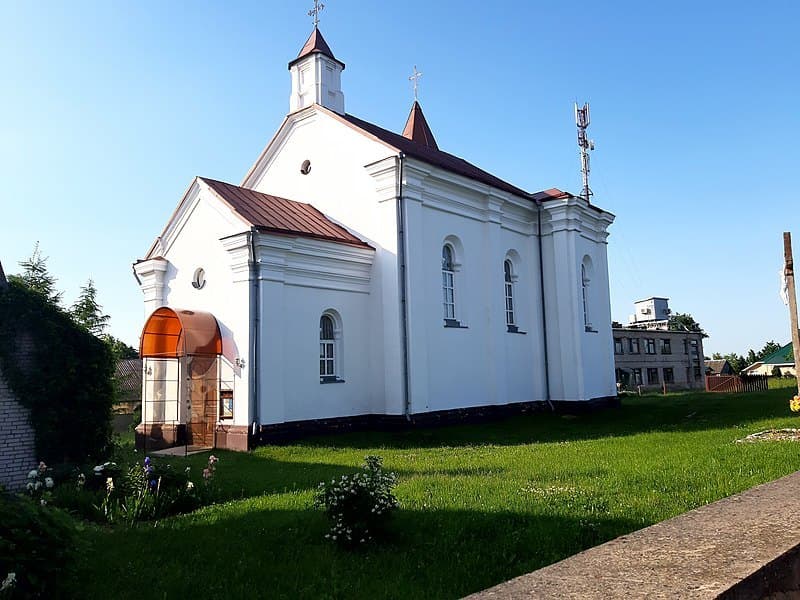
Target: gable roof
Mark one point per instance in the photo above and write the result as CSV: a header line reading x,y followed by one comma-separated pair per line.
x,y
316,44
430,155
417,129
717,365
783,356
272,214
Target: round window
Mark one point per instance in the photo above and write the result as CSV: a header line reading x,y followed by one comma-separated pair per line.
x,y
199,279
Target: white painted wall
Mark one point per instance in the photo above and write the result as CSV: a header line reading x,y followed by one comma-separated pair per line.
x,y
301,279
193,241
362,200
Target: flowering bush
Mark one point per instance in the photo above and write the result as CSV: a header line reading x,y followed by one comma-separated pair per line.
x,y
39,483
358,505
794,404
150,492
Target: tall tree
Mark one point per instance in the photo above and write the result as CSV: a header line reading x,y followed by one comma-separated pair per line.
x,y
685,322
119,348
770,347
36,276
87,312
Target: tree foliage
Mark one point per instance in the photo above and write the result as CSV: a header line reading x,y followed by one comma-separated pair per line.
x,y
36,277
87,312
736,361
120,349
685,322
65,376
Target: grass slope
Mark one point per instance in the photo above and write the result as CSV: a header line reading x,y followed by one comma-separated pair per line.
x,y
480,503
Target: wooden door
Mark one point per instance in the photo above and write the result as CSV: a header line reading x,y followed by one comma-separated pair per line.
x,y
203,400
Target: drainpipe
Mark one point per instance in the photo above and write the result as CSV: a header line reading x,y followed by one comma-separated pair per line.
x,y
544,310
255,307
403,284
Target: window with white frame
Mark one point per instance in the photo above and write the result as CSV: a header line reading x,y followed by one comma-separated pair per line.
x,y
508,275
327,349
448,283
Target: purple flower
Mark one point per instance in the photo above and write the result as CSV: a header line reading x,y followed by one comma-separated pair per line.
x,y
146,461
153,483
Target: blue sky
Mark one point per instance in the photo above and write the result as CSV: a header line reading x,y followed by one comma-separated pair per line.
x,y
109,109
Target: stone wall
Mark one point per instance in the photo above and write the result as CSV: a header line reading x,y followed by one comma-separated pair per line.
x,y
17,443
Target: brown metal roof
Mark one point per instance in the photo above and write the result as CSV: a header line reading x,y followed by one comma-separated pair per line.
x,y
417,129
432,155
278,215
316,43
170,333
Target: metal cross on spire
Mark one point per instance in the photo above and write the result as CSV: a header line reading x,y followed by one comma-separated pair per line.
x,y
415,78
314,12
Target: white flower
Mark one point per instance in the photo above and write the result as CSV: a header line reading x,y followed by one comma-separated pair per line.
x,y
189,485
33,474
8,582
37,485
98,469
109,484
48,482
29,486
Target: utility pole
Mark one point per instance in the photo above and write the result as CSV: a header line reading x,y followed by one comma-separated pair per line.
x,y
788,274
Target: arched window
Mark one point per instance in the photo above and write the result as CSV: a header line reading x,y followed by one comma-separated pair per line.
x,y
509,291
586,273
448,283
327,349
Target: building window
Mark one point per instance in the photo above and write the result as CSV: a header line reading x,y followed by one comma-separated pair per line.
x,y
636,376
650,346
669,375
666,346
633,345
328,359
584,295
693,344
685,346
618,346
448,283
509,291
652,375
697,374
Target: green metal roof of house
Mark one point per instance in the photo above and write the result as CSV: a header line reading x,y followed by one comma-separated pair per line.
x,y
781,357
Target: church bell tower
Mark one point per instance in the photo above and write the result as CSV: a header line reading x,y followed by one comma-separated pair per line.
x,y
316,76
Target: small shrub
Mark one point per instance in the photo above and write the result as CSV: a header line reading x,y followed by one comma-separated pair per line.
x,y
358,505
776,371
37,546
150,491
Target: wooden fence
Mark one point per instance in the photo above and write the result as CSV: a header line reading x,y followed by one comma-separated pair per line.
x,y
736,383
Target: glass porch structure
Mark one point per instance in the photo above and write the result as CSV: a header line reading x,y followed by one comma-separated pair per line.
x,y
187,385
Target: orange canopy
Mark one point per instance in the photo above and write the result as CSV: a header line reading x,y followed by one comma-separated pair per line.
x,y
170,333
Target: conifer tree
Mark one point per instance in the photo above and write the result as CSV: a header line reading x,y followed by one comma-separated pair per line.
x,y
36,276
87,312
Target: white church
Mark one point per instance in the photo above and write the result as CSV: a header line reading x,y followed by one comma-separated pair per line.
x,y
361,277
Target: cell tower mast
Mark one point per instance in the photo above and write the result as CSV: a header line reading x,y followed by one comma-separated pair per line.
x,y
585,144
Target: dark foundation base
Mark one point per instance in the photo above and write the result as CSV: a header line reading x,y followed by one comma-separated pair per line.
x,y
293,430
157,436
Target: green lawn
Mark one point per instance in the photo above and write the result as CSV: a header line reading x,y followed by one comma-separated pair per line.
x,y
479,503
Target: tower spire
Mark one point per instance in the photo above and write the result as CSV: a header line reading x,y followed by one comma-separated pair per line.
x,y
417,128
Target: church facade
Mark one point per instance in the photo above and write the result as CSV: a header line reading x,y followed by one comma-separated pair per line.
x,y
361,274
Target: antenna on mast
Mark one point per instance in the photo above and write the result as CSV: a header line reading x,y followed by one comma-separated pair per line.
x,y
585,144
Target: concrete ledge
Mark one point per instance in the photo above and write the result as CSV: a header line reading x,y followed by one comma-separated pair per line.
x,y
744,546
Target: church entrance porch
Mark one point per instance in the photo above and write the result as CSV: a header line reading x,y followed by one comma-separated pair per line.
x,y
187,383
